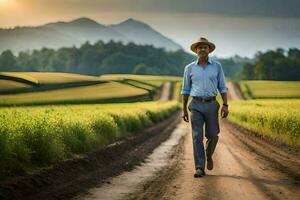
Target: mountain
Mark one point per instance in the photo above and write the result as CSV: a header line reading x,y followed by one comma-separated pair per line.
x,y
76,32
141,33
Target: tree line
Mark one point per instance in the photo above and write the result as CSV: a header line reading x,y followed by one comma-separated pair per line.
x,y
99,58
274,65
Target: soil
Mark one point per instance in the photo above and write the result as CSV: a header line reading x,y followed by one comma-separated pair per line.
x,y
244,168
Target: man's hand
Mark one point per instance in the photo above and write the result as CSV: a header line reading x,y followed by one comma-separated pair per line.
x,y
224,111
185,115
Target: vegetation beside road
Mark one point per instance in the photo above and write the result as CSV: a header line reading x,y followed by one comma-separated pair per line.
x,y
38,136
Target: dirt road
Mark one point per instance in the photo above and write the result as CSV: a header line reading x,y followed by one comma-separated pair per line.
x,y
166,91
238,174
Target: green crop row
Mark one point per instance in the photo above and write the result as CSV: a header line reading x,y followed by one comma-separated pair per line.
x,y
104,92
278,120
177,91
20,77
31,137
262,89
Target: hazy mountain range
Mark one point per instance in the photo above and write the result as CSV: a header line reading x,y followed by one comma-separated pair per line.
x,y
76,32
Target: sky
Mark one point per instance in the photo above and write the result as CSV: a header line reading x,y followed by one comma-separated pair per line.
x,y
240,27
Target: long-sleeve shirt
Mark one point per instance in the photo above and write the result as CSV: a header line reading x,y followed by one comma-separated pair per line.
x,y
204,82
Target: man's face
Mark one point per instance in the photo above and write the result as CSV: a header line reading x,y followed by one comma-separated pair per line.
x,y
202,50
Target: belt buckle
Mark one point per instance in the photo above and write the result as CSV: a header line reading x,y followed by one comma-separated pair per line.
x,y
201,99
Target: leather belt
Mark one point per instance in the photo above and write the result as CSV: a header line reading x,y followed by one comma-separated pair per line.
x,y
204,99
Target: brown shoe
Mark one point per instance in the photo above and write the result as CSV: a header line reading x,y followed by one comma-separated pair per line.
x,y
210,163
199,172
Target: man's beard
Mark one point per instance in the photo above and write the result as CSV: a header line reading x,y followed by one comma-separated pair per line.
x,y
202,54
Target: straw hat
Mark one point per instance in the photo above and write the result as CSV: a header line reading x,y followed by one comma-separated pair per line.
x,y
203,40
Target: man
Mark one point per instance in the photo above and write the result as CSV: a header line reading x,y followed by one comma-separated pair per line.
x,y
201,80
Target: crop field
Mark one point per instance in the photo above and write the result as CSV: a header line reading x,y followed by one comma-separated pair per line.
x,y
103,92
278,120
141,84
34,136
52,77
26,77
37,136
60,88
270,89
18,82
8,85
139,77
148,82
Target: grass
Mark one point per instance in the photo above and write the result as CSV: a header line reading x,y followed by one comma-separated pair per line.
x,y
59,78
35,136
8,85
278,120
19,77
177,91
20,82
52,86
270,89
31,137
104,92
139,77
140,84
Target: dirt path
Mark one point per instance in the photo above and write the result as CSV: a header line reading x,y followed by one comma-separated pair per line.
x,y
240,172
166,91
129,182
234,93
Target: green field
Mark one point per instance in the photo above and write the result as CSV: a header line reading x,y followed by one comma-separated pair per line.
x,y
147,78
26,77
148,82
140,84
8,85
36,136
271,110
278,120
51,77
19,82
61,88
103,92
257,89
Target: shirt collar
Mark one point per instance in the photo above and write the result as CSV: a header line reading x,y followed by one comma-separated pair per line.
x,y
209,60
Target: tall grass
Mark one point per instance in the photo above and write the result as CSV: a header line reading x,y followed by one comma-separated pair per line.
x,y
93,93
37,136
278,120
262,89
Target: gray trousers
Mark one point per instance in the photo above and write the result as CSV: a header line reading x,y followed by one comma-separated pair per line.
x,y
204,114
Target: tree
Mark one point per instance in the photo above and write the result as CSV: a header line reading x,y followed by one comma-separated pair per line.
x,y
8,61
248,71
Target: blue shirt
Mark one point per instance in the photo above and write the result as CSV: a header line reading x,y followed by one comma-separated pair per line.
x,y
204,82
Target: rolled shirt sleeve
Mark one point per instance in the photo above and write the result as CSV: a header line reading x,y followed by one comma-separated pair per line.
x,y
221,81
186,83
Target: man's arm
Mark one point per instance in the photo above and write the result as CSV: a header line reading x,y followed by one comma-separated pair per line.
x,y
185,115
223,90
224,98
185,91
224,110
